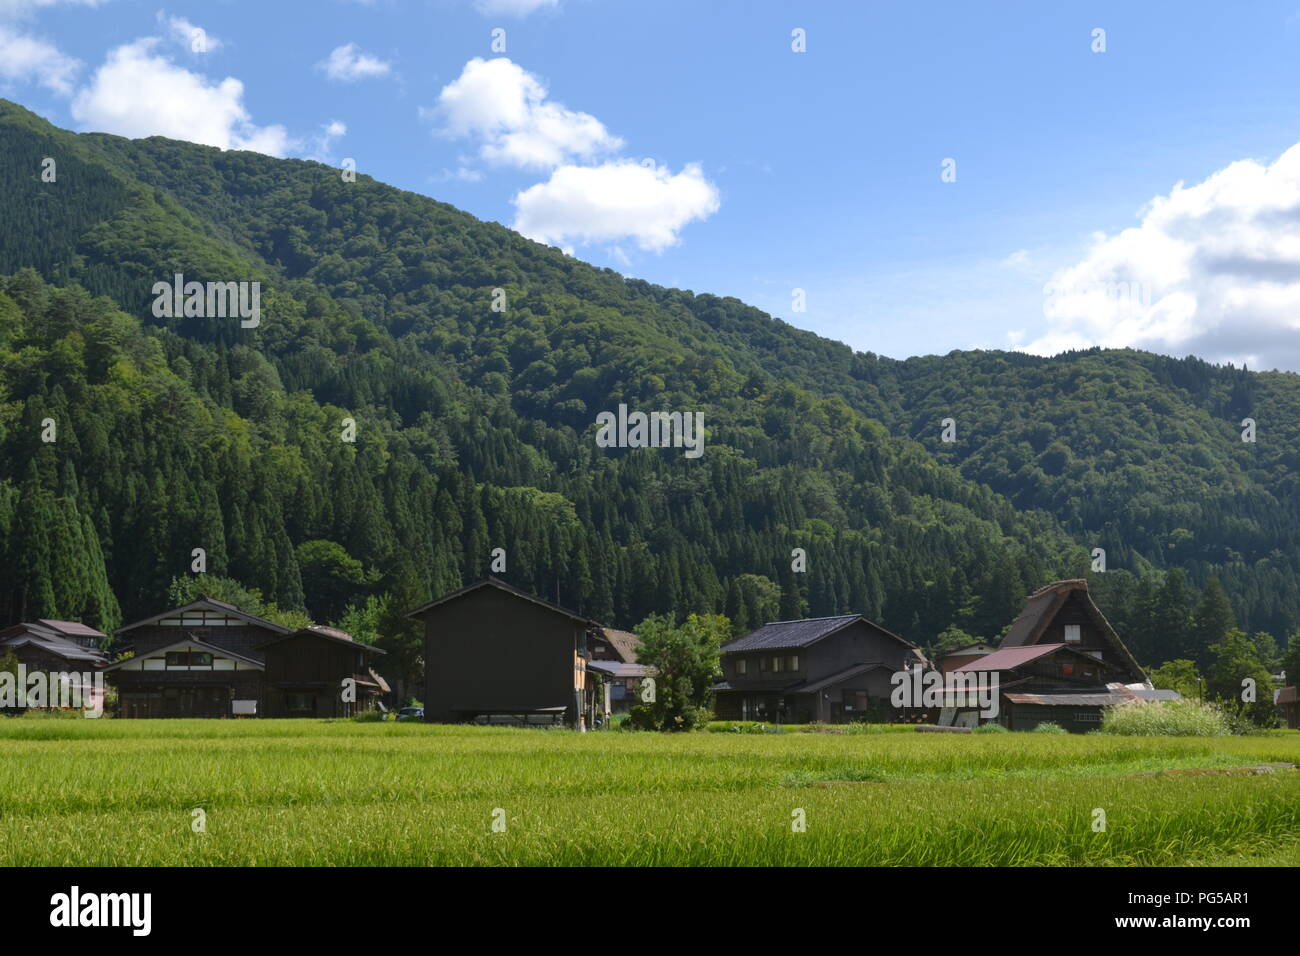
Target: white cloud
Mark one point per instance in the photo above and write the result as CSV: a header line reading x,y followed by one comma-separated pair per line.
x,y
189,35
620,200
1212,270
505,106
347,64
14,9
1018,260
512,8
26,59
137,92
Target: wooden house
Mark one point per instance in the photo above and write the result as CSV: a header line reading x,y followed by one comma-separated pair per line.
x,y
828,669
1063,663
1289,702
614,658
200,660
320,672
64,648
48,645
492,650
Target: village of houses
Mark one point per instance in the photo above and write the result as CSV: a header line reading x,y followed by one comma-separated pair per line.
x,y
494,653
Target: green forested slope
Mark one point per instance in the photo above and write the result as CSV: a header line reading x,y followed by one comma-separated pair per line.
x,y
475,427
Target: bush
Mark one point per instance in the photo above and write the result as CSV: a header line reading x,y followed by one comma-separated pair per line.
x,y
990,728
368,717
1166,718
1050,727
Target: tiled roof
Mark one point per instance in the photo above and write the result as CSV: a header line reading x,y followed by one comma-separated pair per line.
x,y
791,633
41,636
71,628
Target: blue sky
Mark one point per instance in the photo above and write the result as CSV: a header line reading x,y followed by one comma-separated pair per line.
x,y
776,170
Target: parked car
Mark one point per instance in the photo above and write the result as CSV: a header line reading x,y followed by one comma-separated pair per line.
x,y
411,713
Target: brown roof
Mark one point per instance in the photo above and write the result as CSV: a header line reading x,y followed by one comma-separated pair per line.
x,y
1010,658
74,628
328,633
625,643
1041,607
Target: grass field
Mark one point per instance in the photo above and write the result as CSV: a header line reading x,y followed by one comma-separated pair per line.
x,y
113,792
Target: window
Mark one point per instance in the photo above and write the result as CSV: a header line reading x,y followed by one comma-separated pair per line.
x,y
300,703
741,665
189,659
778,664
794,662
1072,633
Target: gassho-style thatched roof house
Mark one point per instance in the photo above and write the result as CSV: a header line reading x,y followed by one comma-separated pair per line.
x,y
1061,662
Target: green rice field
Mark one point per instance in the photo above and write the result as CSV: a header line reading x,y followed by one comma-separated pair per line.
x,y
115,792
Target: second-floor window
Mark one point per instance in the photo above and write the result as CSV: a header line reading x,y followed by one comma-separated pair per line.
x,y
742,666
1072,635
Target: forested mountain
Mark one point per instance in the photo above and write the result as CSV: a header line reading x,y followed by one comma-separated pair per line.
x,y
475,428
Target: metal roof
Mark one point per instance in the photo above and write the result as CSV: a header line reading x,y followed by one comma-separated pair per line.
x,y
618,668
1099,699
1009,658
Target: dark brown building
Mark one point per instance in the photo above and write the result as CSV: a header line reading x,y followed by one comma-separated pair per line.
x,y
1289,702
493,650
828,670
320,672
200,660
1063,663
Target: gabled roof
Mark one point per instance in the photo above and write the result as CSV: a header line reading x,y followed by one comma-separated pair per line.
x,y
980,648
71,628
20,635
837,678
794,634
325,633
618,668
491,582
625,643
1011,657
800,686
212,604
1042,606
189,642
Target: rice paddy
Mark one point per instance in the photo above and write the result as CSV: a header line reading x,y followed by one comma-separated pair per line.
x,y
80,792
